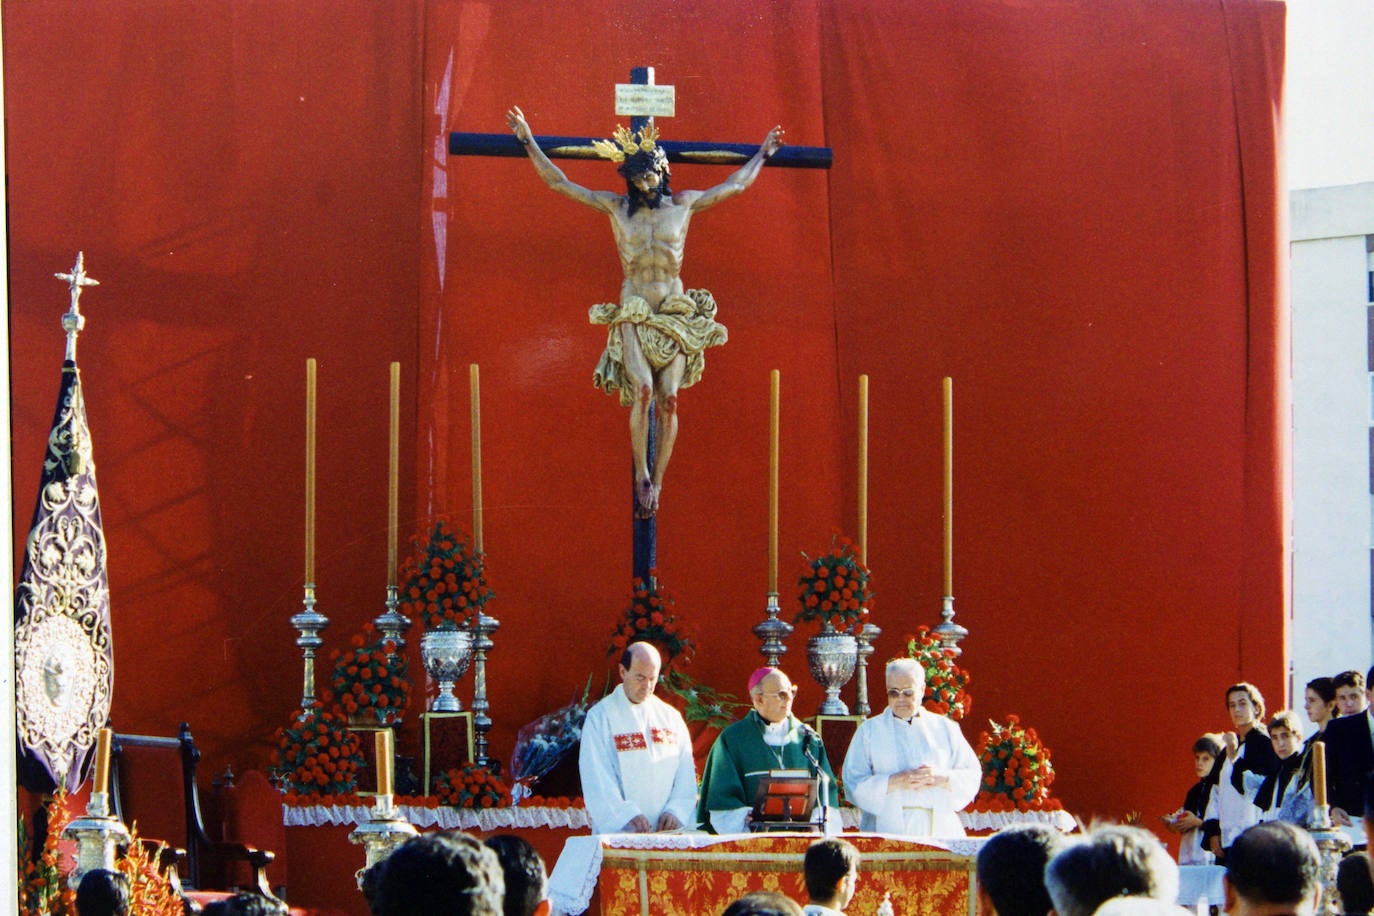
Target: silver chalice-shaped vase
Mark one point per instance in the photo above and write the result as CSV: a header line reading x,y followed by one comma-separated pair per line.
x,y
831,656
446,652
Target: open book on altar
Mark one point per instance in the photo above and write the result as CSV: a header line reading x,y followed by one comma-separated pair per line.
x,y
784,800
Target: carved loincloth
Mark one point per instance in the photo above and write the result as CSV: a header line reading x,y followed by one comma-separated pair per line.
x,y
684,323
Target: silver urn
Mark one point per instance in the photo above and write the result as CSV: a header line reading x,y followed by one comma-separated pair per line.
x,y
831,656
446,652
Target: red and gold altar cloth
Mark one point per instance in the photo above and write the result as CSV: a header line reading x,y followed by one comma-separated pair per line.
x,y
666,875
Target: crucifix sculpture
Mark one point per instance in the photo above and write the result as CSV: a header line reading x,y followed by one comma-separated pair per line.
x,y
657,330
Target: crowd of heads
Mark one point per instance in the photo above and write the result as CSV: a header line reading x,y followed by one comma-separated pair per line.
x,y
449,873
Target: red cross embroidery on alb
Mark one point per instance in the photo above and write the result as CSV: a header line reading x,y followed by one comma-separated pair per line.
x,y
630,741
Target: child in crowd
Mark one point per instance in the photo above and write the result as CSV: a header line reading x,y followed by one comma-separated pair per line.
x,y
1187,821
1286,795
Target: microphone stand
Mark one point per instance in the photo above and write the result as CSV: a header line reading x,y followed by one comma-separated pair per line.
x,y
822,781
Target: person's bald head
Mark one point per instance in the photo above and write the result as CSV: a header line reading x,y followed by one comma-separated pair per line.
x,y
640,664
772,695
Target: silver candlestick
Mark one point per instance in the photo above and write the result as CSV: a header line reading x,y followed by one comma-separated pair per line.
x,y
98,836
482,627
1332,845
392,623
867,633
380,834
772,631
311,624
949,632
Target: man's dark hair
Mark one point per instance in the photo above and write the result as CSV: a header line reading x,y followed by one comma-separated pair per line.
x,y
1011,869
246,904
1324,687
763,903
1355,885
1349,679
523,869
1207,744
825,865
1273,862
102,892
1113,861
447,873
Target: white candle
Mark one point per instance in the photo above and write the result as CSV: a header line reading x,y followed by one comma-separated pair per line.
x,y
476,397
863,470
393,473
383,749
310,471
774,398
949,484
101,782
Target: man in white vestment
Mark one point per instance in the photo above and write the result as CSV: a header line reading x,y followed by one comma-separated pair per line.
x,y
636,755
908,769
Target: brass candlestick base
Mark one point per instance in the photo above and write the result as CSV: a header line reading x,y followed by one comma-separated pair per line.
x,y
772,631
380,834
98,836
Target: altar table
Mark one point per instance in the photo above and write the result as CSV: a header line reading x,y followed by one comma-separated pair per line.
x,y
696,873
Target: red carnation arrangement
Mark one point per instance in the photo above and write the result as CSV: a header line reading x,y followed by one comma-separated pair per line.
x,y
946,683
370,680
318,754
1017,772
445,581
650,618
834,587
471,786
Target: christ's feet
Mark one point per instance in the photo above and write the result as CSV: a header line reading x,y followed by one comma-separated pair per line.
x,y
646,499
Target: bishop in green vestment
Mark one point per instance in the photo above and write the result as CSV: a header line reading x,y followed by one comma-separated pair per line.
x,y
769,737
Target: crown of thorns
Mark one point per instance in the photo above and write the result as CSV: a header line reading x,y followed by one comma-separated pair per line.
x,y
640,146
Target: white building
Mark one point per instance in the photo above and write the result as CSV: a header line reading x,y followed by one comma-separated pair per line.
x,y
1332,276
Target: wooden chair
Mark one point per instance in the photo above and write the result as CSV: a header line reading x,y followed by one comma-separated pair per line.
x,y
153,786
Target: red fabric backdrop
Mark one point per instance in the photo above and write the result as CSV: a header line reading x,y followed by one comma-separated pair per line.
x,y
1071,208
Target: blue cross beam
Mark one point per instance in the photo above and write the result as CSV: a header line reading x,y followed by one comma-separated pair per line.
x,y
736,154
705,153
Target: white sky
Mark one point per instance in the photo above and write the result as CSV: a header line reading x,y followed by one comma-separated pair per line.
x,y
1330,92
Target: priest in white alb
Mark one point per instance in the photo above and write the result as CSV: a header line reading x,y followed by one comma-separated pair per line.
x,y
910,770
636,755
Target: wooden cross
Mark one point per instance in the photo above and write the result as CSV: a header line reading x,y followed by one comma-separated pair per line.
x,y
641,111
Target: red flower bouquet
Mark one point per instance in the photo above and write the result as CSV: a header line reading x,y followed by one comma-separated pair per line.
x,y
444,581
650,618
1017,772
946,682
834,587
318,754
471,786
369,680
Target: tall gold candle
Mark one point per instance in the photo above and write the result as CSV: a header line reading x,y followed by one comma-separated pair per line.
x,y
382,745
949,484
310,471
393,473
774,399
863,469
101,782
1319,773
476,397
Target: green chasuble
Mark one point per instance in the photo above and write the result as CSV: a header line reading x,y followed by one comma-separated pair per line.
x,y
740,757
